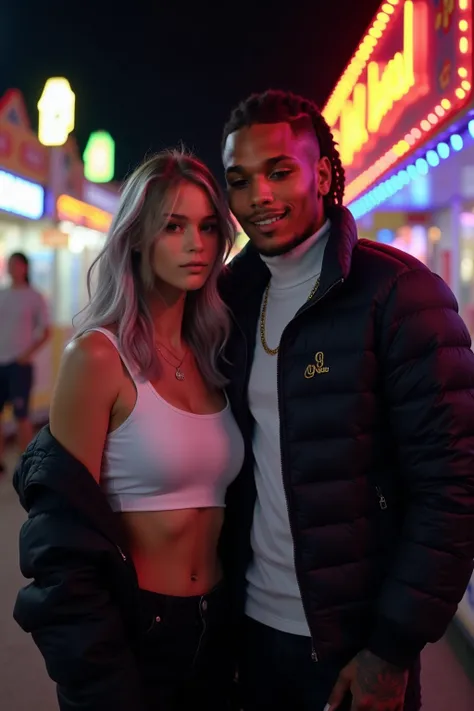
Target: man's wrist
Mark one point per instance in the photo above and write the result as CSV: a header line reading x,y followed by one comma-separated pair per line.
x,y
393,645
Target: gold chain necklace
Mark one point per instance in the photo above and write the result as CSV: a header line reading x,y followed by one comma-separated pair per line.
x,y
263,318
179,375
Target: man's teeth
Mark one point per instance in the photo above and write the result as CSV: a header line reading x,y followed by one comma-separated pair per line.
x,y
270,221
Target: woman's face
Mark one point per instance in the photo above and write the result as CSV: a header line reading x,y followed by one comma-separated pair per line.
x,y
186,248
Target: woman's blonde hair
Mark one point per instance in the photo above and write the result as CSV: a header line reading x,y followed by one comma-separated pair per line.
x,y
122,273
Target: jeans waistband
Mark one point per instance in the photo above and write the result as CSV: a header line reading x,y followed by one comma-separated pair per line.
x,y
181,610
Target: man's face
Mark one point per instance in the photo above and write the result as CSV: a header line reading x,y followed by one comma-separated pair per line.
x,y
276,182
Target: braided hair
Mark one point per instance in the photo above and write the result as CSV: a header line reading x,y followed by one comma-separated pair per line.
x,y
275,106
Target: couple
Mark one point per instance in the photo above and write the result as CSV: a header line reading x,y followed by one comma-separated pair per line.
x,y
257,487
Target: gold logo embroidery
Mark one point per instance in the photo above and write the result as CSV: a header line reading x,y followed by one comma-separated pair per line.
x,y
318,369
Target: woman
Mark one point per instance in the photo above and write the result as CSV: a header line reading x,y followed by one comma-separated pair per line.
x,y
25,329
127,604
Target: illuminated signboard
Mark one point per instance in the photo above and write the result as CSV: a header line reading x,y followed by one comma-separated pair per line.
x,y
56,112
411,73
99,157
81,213
101,197
20,196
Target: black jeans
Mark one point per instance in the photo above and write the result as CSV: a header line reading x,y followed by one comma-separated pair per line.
x,y
276,673
16,382
182,655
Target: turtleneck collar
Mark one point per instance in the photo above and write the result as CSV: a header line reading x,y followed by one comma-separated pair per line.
x,y
300,264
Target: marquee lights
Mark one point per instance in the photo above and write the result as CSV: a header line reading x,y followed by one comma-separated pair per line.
x,y
422,166
372,100
340,104
20,196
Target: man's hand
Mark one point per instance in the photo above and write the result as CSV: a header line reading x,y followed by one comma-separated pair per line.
x,y
375,685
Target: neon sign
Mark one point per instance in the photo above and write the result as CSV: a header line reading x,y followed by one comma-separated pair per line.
x,y
410,74
56,112
375,98
99,157
388,187
81,213
396,79
20,196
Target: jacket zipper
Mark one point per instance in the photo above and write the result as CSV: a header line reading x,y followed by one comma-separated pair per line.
x,y
314,654
382,500
124,557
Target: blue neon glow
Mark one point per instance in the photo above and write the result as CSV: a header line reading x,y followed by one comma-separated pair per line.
x,y
385,236
404,177
433,158
20,196
456,142
443,150
422,166
420,191
414,175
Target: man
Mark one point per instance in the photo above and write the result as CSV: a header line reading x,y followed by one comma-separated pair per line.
x,y
350,533
24,330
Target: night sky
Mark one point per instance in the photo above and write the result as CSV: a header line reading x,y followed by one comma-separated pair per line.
x,y
158,72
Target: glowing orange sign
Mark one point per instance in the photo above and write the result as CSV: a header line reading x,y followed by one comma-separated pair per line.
x,y
411,73
81,213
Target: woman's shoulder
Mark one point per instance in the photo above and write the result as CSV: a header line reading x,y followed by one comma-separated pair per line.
x,y
93,353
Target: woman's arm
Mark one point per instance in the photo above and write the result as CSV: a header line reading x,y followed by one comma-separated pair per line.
x,y
69,607
87,387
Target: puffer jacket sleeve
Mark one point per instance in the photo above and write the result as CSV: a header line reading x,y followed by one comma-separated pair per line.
x,y
428,380
74,621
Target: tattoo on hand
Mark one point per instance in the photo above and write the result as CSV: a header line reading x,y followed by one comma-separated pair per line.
x,y
378,679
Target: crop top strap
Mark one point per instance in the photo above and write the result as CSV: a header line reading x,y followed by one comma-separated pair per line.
x,y
114,340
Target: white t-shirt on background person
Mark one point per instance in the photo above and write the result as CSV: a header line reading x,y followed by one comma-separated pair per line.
x,y
23,318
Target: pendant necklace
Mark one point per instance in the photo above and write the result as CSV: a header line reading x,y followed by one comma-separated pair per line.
x,y
179,375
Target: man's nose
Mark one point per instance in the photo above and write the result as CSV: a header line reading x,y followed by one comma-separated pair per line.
x,y
261,193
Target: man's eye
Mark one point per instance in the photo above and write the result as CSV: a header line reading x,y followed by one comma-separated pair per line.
x,y
237,184
280,174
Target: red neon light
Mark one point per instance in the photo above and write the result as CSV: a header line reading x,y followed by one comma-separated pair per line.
x,y
348,106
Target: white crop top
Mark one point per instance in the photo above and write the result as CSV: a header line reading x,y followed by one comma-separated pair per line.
x,y
162,458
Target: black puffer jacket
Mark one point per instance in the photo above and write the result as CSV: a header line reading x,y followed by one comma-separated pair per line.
x,y
377,449
81,607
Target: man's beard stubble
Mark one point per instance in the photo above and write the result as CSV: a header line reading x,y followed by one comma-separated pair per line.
x,y
297,239
285,248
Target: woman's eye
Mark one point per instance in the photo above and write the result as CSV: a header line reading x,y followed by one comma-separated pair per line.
x,y
173,227
210,228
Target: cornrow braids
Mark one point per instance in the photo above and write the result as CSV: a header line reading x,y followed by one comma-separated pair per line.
x,y
275,106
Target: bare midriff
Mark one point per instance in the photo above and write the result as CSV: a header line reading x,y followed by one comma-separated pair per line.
x,y
175,552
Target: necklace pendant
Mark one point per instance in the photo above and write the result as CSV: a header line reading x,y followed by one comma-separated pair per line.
x,y
179,374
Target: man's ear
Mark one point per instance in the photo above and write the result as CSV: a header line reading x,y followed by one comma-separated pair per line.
x,y
323,175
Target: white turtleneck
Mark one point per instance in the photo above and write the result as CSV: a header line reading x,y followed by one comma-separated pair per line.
x,y
273,596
